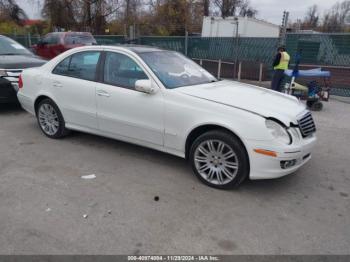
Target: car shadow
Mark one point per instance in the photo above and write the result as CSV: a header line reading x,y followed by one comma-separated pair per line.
x,y
266,187
126,148
271,186
10,108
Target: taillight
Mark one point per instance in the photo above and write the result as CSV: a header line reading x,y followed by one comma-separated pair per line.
x,y
20,82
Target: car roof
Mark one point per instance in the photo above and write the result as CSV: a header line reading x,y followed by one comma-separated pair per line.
x,y
140,48
77,33
70,33
136,49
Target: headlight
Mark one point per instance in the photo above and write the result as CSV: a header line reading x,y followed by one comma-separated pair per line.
x,y
295,134
279,132
3,72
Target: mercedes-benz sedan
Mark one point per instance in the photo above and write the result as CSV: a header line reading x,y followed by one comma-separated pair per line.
x,y
160,99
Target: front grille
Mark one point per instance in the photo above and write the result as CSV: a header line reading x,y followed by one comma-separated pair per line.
x,y
307,125
13,75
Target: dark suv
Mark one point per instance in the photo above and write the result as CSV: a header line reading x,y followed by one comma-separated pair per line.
x,y
13,59
54,44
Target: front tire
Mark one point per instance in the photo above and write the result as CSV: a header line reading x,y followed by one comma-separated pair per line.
x,y
50,119
219,159
315,105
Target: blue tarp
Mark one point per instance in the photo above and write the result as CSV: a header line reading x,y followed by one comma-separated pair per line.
x,y
317,72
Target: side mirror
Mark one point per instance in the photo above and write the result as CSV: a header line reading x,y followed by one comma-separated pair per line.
x,y
145,86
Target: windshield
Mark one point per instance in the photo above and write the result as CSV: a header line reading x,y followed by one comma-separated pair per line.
x,y
11,47
176,70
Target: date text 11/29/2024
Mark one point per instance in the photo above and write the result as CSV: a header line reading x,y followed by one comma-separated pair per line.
x,y
173,258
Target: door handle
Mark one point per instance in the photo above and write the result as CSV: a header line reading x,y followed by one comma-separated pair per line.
x,y
57,84
103,93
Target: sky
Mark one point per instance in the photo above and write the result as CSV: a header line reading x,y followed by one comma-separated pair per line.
x,y
272,10
269,10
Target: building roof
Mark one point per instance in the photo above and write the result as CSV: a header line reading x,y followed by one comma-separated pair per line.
x,y
242,17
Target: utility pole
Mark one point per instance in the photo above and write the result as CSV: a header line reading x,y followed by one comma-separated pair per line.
x,y
186,43
127,18
236,46
206,7
347,18
283,30
186,29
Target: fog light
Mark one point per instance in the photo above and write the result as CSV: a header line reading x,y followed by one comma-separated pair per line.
x,y
288,164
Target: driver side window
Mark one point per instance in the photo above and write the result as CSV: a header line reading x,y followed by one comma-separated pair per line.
x,y
120,70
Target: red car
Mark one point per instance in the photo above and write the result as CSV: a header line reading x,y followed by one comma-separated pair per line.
x,y
54,44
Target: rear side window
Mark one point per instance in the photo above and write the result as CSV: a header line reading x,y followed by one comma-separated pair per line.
x,y
120,70
74,39
62,68
81,65
51,39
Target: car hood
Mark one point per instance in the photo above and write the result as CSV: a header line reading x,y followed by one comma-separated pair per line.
x,y
254,99
20,61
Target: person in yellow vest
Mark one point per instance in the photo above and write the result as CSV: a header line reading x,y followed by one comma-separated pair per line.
x,y
280,64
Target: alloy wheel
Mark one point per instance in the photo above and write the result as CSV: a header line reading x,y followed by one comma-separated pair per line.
x,y
216,162
48,119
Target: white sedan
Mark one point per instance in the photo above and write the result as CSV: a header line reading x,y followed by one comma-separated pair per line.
x,y
160,99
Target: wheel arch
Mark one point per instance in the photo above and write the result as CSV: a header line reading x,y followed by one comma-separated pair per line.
x,y
38,100
201,129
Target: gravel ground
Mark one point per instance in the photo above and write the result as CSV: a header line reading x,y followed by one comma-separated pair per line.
x,y
43,198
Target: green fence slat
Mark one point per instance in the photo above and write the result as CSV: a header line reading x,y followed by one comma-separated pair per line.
x,y
176,43
320,49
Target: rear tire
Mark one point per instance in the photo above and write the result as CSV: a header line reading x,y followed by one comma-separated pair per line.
x,y
50,119
219,159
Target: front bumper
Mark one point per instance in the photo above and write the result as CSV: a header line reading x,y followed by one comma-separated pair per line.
x,y
8,93
268,167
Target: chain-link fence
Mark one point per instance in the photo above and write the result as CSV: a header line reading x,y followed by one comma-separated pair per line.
x,y
176,43
26,40
329,51
245,58
250,58
321,49
109,39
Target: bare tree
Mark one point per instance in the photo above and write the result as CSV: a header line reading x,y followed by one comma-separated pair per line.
x,y
60,13
9,10
335,19
92,15
227,7
235,7
246,9
311,19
